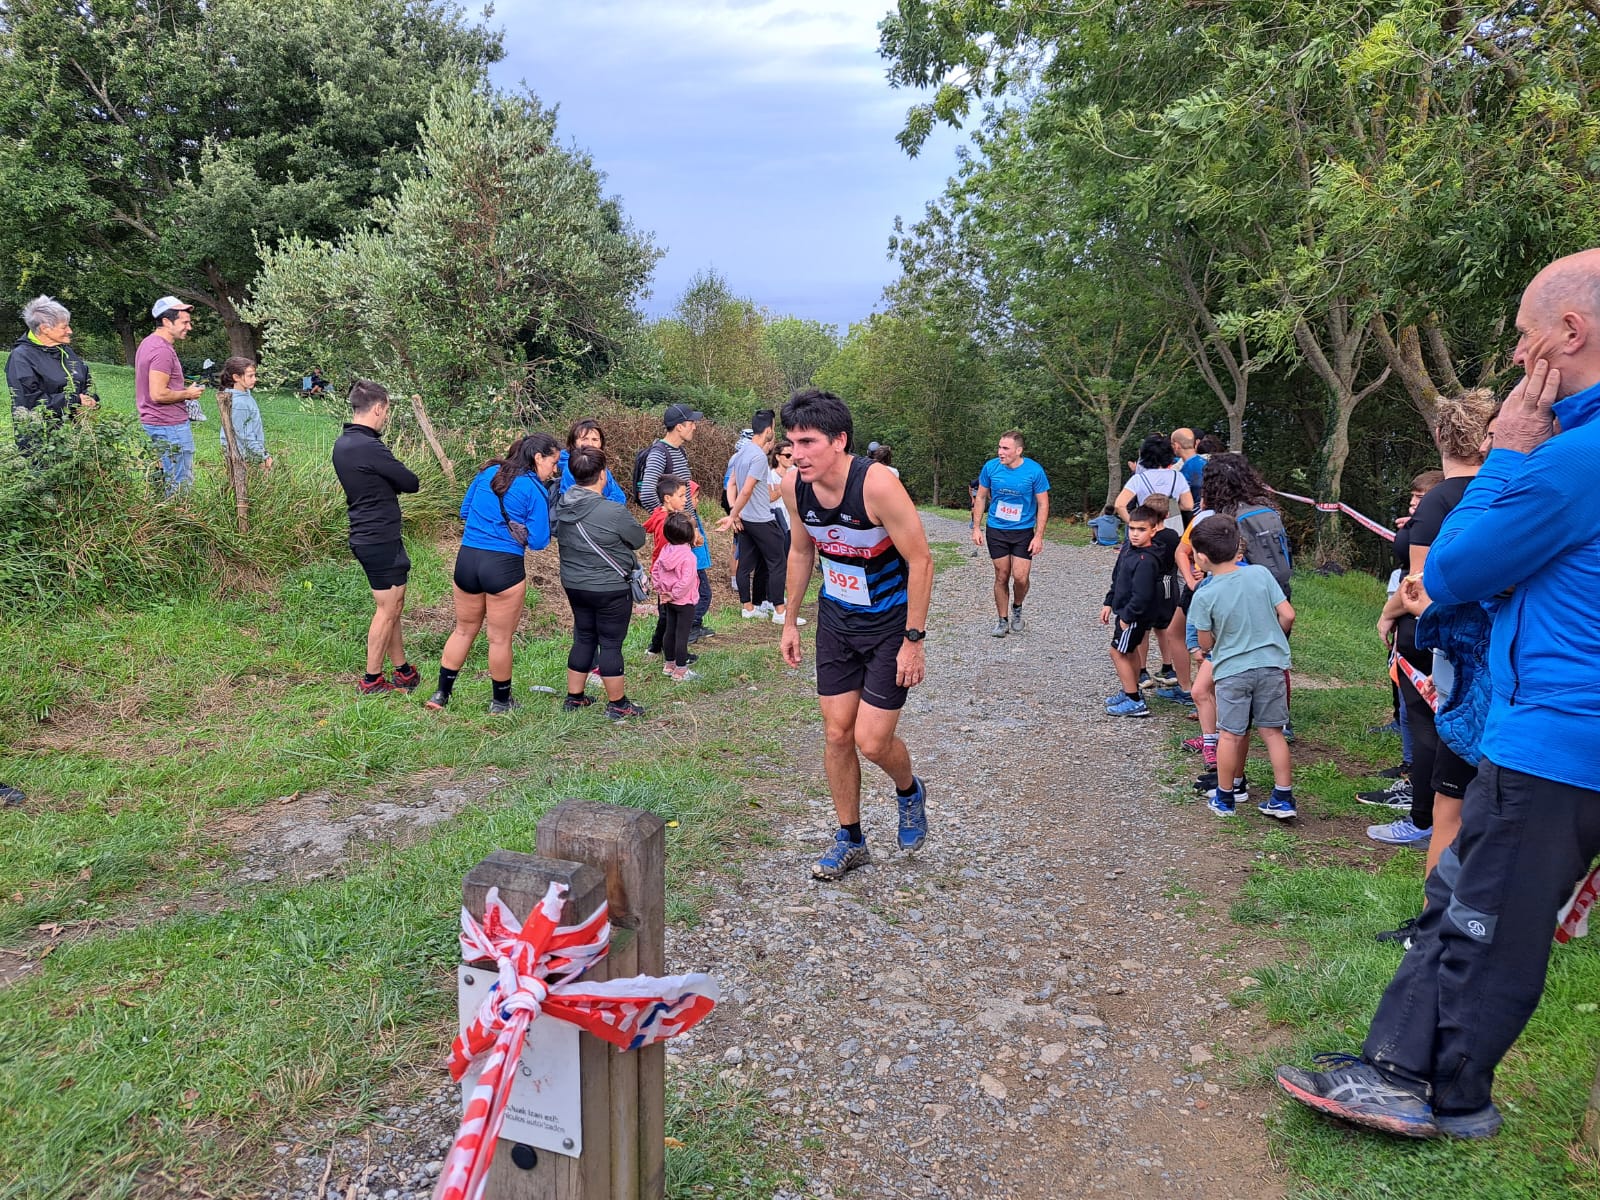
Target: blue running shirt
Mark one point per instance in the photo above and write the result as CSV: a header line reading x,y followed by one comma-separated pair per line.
x,y
1013,492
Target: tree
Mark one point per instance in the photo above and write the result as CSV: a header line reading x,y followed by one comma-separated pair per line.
x,y
498,275
800,348
919,389
168,143
715,339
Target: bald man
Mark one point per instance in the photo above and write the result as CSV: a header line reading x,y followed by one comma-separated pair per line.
x,y
1525,541
1190,462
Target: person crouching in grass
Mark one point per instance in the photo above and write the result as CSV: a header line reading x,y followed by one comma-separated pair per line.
x,y
1243,619
1132,607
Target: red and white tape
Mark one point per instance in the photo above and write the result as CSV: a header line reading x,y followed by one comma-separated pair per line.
x,y
1333,506
539,965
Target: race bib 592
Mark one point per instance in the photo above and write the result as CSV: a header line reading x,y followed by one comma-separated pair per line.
x,y
845,583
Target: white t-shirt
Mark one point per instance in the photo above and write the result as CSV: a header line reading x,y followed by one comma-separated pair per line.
x,y
1162,481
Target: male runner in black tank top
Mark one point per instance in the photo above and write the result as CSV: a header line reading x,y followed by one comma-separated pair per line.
x,y
871,616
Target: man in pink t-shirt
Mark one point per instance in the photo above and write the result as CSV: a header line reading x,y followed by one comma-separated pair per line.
x,y
160,393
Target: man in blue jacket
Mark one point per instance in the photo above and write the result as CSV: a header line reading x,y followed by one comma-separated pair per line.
x,y
1525,542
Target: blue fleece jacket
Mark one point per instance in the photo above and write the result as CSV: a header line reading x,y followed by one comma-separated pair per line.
x,y
613,489
1528,523
525,500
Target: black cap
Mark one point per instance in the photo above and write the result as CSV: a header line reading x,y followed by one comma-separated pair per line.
x,y
677,414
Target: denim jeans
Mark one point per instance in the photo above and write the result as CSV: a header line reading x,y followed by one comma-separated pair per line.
x,y
176,446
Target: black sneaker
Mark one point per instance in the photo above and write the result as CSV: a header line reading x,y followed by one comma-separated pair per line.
x,y
501,707
1403,933
700,632
574,703
437,701
10,797
621,712
1204,783
1403,771
1396,795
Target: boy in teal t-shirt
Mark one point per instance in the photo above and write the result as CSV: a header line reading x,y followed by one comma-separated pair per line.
x,y
1242,620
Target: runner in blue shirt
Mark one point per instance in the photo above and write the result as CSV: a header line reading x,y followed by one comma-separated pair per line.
x,y
1014,493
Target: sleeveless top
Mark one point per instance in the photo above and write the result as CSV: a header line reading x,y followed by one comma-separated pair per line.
x,y
863,573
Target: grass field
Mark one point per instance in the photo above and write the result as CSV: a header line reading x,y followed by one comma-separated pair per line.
x,y
1323,889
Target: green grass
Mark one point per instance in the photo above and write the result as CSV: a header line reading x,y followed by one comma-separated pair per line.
x,y
1306,892
183,1043
296,430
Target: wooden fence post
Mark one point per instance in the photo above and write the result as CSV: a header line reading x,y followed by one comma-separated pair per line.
x,y
235,461
426,426
520,1172
1591,1116
629,845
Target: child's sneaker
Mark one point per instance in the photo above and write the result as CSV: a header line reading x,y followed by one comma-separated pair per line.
x,y
1400,833
1194,745
1128,708
1279,805
1223,808
683,675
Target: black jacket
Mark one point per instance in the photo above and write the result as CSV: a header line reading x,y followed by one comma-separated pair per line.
x,y
1136,589
372,478
50,377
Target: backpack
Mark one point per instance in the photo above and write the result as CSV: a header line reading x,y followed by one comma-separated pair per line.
x,y
639,461
1265,543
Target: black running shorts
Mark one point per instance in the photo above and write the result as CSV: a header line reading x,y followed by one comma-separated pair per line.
x,y
488,572
385,563
1125,640
867,664
1009,543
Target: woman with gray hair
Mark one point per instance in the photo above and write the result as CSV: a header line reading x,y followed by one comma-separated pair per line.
x,y
45,374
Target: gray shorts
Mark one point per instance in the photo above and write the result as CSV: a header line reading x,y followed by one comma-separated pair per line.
x,y
1259,696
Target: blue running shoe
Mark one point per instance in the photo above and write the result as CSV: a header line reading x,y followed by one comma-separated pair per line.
x,y
1176,694
844,855
1400,833
1358,1092
1275,807
1223,808
913,817
1128,708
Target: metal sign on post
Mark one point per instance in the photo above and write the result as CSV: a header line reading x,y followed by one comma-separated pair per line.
x,y
546,1106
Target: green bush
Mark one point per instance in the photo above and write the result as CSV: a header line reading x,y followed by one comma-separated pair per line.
x,y
90,522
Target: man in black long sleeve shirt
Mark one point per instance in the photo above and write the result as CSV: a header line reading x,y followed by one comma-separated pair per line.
x,y
373,478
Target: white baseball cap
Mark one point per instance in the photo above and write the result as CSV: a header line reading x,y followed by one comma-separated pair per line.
x,y
167,304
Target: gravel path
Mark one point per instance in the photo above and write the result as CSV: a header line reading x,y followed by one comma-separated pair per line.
x,y
1035,1005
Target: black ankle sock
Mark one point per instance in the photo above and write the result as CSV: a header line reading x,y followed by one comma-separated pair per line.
x,y
447,679
619,702
369,677
1131,695
856,836
502,689
405,668
574,695
910,791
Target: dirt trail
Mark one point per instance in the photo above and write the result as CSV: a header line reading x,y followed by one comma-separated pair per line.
x,y
1036,1005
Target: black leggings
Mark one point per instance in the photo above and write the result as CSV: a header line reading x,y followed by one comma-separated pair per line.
x,y
677,618
599,619
762,543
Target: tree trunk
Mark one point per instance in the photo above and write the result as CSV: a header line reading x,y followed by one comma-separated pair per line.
x,y
1113,466
123,320
242,337
1236,429
426,426
235,461
936,482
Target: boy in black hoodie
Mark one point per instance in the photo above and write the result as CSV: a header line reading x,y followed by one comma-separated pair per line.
x,y
1135,600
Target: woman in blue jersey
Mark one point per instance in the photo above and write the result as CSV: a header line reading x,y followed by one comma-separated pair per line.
x,y
587,435
507,511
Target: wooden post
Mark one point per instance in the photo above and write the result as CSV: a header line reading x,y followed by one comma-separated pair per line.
x,y
426,426
1591,1117
629,845
518,1172
235,461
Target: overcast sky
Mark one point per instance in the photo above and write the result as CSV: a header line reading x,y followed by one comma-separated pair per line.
x,y
755,136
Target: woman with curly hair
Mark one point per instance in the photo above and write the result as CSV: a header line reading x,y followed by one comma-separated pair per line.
x,y
1439,776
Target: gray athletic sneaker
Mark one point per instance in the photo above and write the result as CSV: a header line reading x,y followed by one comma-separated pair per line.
x,y
1016,619
1001,628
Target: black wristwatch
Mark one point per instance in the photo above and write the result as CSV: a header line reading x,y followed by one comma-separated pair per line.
x,y
916,635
